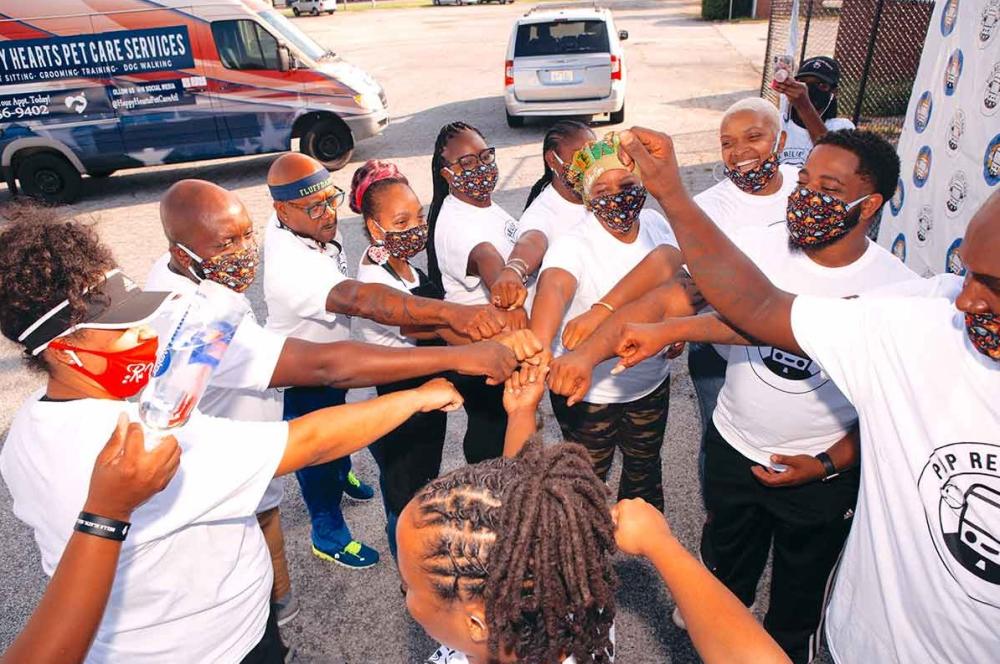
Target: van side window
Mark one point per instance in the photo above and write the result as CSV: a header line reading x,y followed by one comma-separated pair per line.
x,y
245,45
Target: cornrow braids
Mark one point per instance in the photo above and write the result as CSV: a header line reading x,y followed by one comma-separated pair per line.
x,y
554,137
532,537
447,132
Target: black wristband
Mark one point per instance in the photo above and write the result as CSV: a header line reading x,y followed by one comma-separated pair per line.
x,y
93,524
828,465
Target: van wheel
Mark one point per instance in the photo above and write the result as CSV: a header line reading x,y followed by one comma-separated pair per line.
x,y
330,11
314,12
329,142
295,10
514,121
618,117
48,177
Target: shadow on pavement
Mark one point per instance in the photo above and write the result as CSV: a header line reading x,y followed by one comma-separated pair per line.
x,y
648,602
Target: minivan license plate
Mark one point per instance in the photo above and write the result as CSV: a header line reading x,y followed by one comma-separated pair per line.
x,y
561,76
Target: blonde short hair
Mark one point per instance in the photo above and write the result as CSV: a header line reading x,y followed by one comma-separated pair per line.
x,y
762,107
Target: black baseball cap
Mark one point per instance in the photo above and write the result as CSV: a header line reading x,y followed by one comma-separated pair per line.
x,y
824,68
116,303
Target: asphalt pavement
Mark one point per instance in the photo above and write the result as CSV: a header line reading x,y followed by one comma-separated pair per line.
x,y
439,64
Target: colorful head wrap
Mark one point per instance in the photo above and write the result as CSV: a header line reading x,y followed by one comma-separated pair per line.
x,y
593,160
302,187
371,172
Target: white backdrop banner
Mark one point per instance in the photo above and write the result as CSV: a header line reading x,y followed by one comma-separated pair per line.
x,y
950,145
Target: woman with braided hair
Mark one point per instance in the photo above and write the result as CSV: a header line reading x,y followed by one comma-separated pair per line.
x,y
470,239
553,208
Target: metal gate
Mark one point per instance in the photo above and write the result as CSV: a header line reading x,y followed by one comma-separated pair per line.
x,y
877,43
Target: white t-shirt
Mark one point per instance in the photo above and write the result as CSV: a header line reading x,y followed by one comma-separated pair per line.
x,y
194,577
776,402
798,144
598,261
461,228
732,210
919,579
376,333
239,386
298,276
551,214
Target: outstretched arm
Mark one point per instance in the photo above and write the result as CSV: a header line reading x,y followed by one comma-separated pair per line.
x,y
389,306
335,432
798,96
638,341
722,629
349,364
726,277
507,291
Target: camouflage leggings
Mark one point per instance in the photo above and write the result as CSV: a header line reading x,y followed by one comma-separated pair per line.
x,y
636,428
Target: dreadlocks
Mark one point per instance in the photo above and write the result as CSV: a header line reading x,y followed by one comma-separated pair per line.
x,y
532,537
554,137
448,132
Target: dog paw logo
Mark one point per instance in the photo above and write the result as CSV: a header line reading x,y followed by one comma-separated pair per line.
x,y
922,167
77,103
784,371
991,91
899,247
988,22
925,224
960,490
955,130
953,71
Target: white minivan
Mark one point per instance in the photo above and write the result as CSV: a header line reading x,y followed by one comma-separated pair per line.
x,y
313,7
565,61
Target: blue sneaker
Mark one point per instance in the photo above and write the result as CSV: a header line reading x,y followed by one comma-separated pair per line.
x,y
356,489
353,555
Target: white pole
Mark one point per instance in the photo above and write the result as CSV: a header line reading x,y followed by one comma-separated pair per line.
x,y
792,50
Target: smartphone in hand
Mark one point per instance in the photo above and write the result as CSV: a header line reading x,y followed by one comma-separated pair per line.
x,y
782,69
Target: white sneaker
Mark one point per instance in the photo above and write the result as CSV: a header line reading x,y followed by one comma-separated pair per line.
x,y
678,619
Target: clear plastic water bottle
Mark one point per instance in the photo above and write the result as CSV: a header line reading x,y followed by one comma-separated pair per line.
x,y
188,357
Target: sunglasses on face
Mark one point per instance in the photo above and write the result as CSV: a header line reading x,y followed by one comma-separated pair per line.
x,y
470,161
315,211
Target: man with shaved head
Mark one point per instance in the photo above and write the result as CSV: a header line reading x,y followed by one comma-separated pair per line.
x,y
211,236
919,578
310,295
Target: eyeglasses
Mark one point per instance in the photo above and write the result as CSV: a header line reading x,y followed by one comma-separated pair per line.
x,y
317,210
470,161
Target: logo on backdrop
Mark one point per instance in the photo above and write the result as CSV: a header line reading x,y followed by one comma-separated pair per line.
x,y
953,261
922,166
953,71
922,114
898,197
991,91
958,189
960,490
955,130
988,22
948,17
925,224
784,371
991,162
899,247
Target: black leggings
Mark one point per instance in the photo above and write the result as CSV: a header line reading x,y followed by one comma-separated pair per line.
x,y
487,419
270,649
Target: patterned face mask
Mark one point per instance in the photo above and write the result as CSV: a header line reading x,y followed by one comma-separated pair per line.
x,y
477,183
619,211
815,218
569,179
755,179
984,333
235,270
404,244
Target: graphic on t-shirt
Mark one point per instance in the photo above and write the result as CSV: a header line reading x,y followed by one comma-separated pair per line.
x,y
960,490
784,371
510,230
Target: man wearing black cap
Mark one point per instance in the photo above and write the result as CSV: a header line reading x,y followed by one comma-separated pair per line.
x,y
812,107
194,577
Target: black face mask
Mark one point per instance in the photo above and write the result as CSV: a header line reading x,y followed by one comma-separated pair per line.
x,y
822,100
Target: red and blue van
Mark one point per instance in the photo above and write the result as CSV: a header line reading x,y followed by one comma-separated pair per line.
x,y
89,87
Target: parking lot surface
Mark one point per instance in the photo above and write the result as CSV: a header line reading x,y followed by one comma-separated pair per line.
x,y
437,64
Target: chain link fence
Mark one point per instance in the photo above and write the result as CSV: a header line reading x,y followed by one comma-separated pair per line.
x,y
877,43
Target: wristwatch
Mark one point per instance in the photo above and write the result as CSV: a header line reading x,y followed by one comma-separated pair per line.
x,y
828,466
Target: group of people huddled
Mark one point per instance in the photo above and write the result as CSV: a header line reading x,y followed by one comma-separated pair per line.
x,y
836,389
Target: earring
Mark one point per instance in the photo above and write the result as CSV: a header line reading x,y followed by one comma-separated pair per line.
x,y
378,254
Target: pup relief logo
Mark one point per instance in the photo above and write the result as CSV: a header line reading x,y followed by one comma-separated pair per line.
x,y
960,490
898,248
922,113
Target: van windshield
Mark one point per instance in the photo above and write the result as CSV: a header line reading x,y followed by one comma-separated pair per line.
x,y
292,34
561,37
